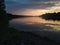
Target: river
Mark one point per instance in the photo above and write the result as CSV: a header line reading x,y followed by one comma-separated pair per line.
x,y
43,27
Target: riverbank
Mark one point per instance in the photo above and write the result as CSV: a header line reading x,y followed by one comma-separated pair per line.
x,y
14,37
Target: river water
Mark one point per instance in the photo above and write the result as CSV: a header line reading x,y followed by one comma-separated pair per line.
x,y
37,25
34,23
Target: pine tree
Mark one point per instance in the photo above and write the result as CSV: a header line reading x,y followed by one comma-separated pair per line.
x,y
3,16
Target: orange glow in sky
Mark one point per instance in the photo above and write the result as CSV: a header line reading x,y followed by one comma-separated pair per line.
x,y
32,7
35,12
31,12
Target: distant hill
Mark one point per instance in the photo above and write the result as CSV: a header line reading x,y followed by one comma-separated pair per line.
x,y
51,16
11,16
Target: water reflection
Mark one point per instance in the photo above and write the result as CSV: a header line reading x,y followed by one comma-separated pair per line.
x,y
34,23
37,25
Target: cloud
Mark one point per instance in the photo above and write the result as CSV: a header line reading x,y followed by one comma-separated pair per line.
x,y
31,12
16,5
44,0
41,5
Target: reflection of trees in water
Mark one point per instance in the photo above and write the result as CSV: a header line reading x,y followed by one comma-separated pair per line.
x,y
3,16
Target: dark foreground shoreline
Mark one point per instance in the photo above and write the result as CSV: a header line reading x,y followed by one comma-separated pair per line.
x,y
14,37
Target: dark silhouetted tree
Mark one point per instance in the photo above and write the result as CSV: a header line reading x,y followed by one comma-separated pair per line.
x,y
3,16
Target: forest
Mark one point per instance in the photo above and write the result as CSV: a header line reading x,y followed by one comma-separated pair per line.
x,y
51,16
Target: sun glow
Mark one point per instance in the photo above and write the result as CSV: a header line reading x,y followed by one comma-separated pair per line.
x,y
36,12
31,12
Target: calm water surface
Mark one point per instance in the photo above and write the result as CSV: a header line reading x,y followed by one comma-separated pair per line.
x,y
37,25
34,24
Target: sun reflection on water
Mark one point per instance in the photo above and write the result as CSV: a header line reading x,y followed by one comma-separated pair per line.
x,y
37,21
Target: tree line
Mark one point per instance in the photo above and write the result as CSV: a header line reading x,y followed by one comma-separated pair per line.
x,y
52,16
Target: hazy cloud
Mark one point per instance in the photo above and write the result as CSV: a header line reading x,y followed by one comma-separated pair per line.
x,y
13,5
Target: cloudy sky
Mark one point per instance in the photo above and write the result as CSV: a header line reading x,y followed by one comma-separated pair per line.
x,y
32,7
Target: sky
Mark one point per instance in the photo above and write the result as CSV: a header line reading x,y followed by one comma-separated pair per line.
x,y
32,7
